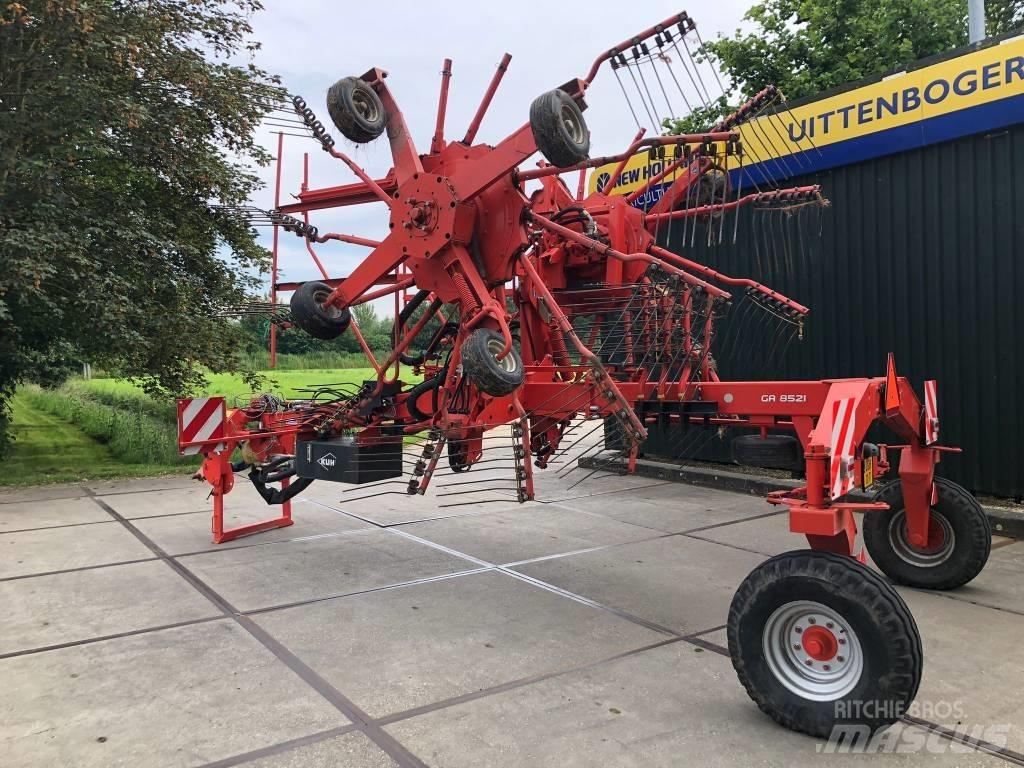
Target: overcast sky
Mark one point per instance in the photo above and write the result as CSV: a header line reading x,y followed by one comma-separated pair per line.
x,y
312,43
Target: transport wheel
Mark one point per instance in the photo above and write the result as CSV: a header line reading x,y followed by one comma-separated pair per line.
x,y
458,455
310,314
959,538
422,399
356,110
559,129
481,365
769,452
712,189
819,640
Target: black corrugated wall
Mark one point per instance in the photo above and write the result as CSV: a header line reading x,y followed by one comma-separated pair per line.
x,y
920,254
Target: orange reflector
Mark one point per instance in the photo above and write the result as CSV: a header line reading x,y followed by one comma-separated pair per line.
x,y
892,387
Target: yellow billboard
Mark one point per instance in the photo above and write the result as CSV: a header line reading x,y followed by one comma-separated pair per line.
x,y
976,91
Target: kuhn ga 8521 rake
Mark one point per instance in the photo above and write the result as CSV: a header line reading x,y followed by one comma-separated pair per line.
x,y
532,307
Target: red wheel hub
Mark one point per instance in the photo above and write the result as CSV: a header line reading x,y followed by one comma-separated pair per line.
x,y
819,643
936,537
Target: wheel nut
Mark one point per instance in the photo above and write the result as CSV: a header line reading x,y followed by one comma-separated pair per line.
x,y
812,620
842,641
796,646
827,667
799,630
840,658
829,624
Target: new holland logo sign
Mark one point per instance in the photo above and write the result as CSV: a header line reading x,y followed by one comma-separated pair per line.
x,y
980,90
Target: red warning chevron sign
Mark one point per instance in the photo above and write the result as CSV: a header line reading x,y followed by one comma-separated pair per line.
x,y
844,420
931,412
200,418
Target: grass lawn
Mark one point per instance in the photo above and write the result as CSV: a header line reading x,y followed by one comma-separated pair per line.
x,y
49,450
288,384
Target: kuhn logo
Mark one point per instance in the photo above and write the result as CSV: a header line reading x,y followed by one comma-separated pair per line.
x,y
327,460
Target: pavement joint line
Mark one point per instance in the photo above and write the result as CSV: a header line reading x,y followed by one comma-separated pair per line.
x,y
763,515
979,745
512,685
369,591
959,599
360,719
91,493
80,568
724,544
280,747
606,493
703,632
671,533
85,493
169,514
707,645
41,501
113,636
54,527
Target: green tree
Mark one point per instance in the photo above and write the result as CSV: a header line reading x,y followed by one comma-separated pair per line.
x,y
124,124
808,46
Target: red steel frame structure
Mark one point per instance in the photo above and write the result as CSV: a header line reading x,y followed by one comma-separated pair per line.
x,y
464,232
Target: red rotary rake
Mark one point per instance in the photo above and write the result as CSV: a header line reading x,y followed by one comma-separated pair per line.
x,y
533,308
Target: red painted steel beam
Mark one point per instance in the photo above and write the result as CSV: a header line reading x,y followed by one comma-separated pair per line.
x,y
340,196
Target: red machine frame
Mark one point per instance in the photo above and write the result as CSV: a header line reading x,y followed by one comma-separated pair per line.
x,y
464,231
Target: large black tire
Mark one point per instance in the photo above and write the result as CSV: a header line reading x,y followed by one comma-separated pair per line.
x,y
769,452
356,110
458,455
411,358
309,313
559,130
819,641
420,392
712,189
959,532
480,364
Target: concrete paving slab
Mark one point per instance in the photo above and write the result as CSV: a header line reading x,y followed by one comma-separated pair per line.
x,y
520,534
393,650
668,706
69,607
56,549
352,750
972,665
176,697
287,572
672,508
1000,584
679,583
23,515
393,506
180,534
